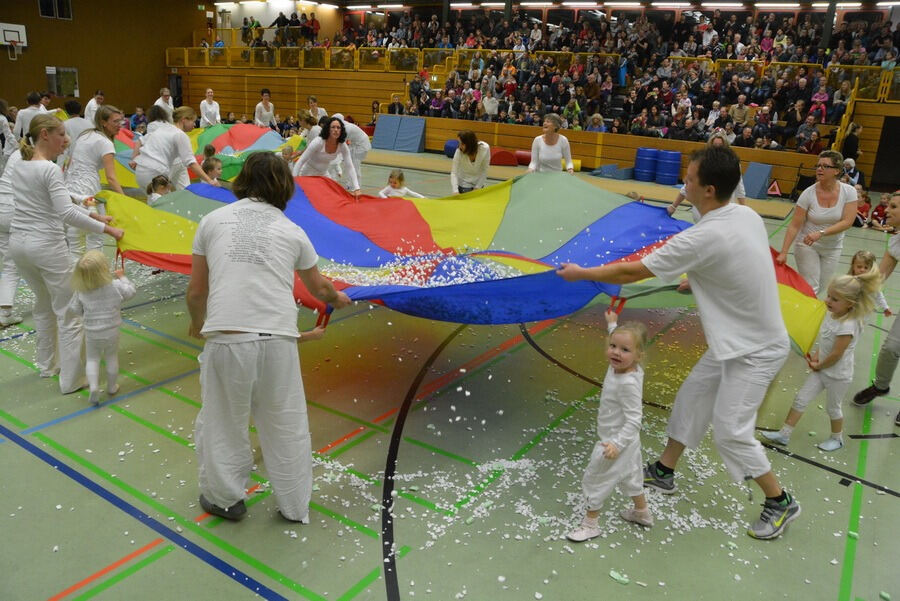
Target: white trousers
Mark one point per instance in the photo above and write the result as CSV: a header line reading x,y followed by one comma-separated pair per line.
x,y
45,265
603,475
816,265
728,394
835,390
259,377
80,241
357,157
9,275
96,349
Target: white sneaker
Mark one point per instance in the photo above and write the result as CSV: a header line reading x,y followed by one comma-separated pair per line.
x,y
638,516
831,444
584,532
7,318
776,437
94,398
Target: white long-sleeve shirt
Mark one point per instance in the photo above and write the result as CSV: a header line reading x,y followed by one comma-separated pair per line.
x,y
6,192
549,158
209,113
315,161
169,106
43,204
263,117
102,308
164,148
404,192
468,173
23,120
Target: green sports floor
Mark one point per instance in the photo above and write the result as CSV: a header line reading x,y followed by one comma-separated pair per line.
x,y
490,426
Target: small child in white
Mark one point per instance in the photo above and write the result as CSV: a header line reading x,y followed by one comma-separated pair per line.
x,y
98,298
158,187
395,187
849,301
863,262
616,459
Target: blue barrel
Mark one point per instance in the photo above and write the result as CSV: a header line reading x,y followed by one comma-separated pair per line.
x,y
668,167
645,164
450,147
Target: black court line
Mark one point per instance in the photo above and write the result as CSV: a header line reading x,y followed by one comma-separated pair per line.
x,y
391,584
806,460
873,436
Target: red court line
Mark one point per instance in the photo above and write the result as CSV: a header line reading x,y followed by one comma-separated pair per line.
x,y
125,559
105,570
448,378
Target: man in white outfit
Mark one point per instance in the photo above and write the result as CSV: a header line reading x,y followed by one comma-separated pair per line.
x,y
165,101
360,145
241,301
93,104
729,266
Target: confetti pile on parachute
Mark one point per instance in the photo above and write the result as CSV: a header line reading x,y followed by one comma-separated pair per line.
x,y
233,144
485,257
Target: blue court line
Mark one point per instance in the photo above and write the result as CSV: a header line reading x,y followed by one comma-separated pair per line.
x,y
141,326
150,302
115,399
197,551
17,336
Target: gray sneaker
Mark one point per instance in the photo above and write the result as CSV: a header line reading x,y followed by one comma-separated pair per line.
x,y
664,484
774,519
233,513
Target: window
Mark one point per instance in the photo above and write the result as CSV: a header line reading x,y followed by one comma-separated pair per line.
x,y
561,16
62,81
55,9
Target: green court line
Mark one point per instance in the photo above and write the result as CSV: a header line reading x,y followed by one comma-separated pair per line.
x,y
357,440
348,417
344,520
113,580
470,496
13,420
184,522
150,425
440,451
157,343
368,578
784,222
846,584
547,429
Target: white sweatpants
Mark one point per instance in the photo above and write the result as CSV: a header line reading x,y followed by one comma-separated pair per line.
x,y
357,157
602,474
243,375
835,390
96,349
816,265
9,275
80,241
728,394
45,265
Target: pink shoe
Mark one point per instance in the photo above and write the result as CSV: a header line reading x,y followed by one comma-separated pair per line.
x,y
638,516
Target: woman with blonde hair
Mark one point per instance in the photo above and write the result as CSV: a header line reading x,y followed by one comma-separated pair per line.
x,y
37,244
167,150
823,212
717,139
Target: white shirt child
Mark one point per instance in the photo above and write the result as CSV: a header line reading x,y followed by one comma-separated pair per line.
x,y
392,192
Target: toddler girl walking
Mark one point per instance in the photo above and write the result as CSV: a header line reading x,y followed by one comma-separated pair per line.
x,y
98,297
616,458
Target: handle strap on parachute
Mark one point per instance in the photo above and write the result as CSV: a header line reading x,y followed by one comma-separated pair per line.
x,y
621,304
325,316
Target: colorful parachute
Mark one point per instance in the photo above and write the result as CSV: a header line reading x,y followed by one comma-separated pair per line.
x,y
233,144
485,257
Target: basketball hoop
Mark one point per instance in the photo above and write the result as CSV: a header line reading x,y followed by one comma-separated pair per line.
x,y
14,50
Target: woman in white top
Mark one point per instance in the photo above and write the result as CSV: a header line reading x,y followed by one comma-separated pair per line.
x,y
166,150
324,149
470,163
37,243
823,212
165,102
359,143
265,111
209,110
739,195
92,150
93,104
550,148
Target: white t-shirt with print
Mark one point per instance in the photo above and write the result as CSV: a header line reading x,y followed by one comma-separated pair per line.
x,y
729,266
252,250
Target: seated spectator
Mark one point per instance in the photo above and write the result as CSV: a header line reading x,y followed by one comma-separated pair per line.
x,y
878,218
745,140
395,107
595,123
818,108
863,207
138,118
805,131
813,145
852,175
740,112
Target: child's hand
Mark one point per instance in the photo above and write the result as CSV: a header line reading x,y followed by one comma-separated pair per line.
x,y
317,333
611,317
120,273
887,312
611,452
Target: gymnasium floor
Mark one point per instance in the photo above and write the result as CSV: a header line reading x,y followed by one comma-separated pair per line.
x,y
491,427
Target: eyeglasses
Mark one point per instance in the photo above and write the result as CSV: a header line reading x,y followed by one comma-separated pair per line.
x,y
825,166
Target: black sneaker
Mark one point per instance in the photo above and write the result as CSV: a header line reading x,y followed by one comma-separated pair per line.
x,y
664,484
897,419
865,396
234,513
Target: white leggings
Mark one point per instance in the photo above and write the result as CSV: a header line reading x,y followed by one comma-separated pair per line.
x,y
816,265
96,349
603,475
727,394
835,390
9,275
260,377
